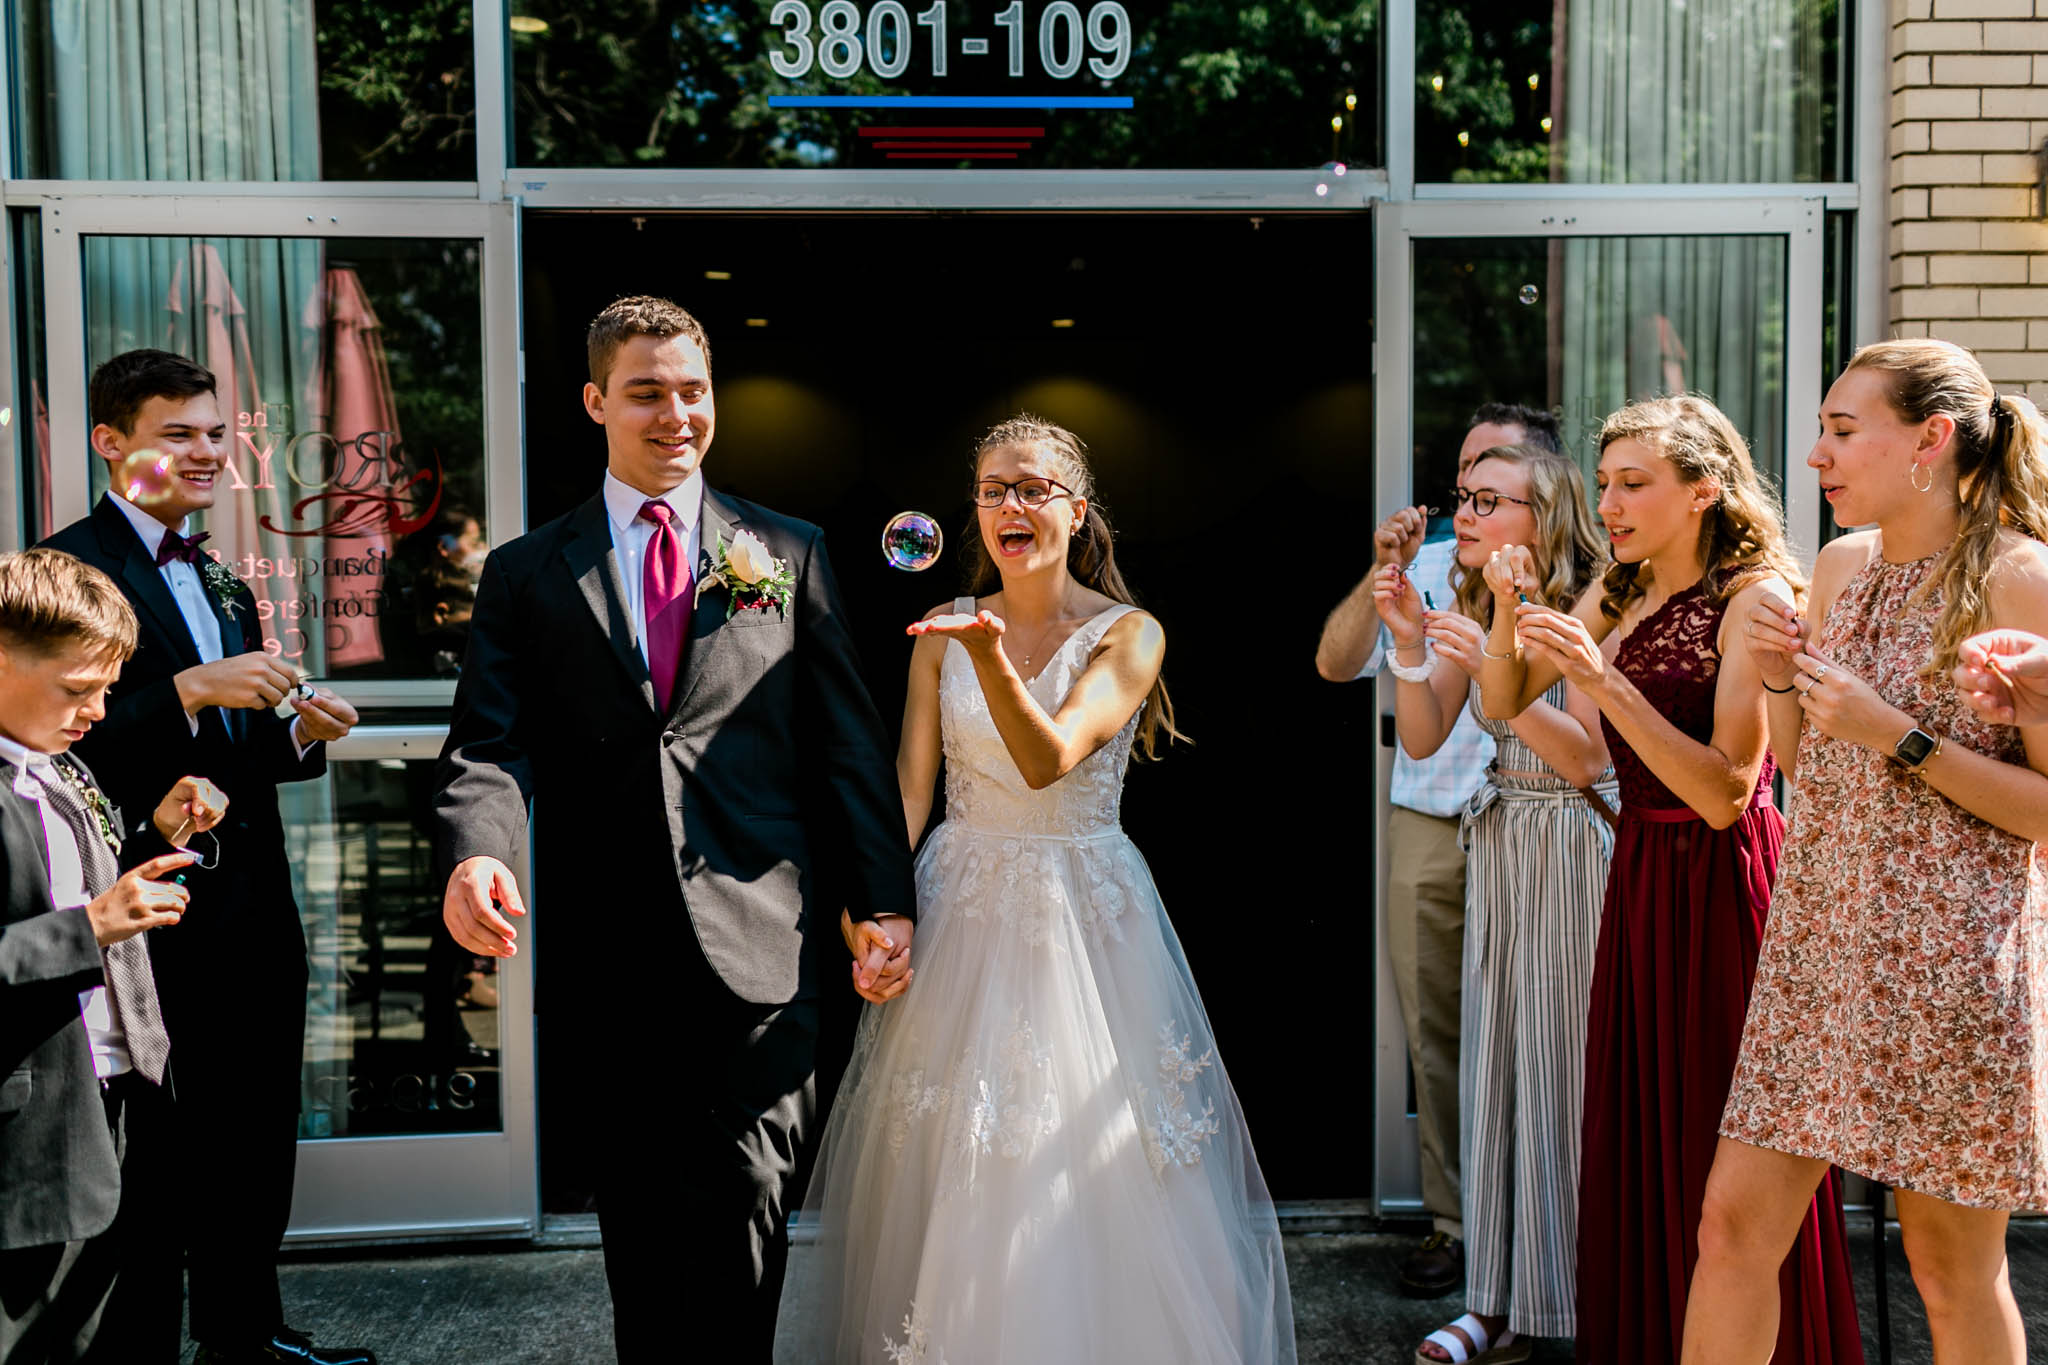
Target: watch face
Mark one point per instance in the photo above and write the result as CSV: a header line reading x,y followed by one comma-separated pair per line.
x,y
1914,748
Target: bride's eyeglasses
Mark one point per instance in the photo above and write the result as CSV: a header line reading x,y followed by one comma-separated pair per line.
x,y
1030,492
1485,500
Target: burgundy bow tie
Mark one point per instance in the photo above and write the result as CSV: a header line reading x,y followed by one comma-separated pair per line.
x,y
175,546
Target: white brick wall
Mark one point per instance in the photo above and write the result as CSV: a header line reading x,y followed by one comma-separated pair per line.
x,y
1969,249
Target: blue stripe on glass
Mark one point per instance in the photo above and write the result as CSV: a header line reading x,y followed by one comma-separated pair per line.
x,y
949,102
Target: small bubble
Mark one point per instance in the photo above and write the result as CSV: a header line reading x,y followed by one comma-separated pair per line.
x,y
144,478
1528,294
912,541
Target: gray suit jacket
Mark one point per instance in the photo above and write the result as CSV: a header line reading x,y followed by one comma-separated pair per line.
x,y
57,1162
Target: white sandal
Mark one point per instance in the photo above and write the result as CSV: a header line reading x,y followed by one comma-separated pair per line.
x,y
1511,1348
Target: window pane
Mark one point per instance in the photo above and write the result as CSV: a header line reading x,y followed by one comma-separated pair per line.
x,y
214,90
351,382
1194,84
1638,91
30,421
1582,325
401,1022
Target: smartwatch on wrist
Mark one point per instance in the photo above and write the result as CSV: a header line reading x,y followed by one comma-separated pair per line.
x,y
1915,749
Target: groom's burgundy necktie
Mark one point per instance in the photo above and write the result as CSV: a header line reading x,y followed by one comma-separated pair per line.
x,y
665,596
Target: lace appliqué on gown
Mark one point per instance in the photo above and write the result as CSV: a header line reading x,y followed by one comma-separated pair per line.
x,y
1176,1135
998,1110
917,1342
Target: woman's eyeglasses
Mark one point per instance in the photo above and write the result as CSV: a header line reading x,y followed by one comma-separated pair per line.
x,y
1485,500
1030,492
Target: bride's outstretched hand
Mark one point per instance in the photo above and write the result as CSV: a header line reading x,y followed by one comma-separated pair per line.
x,y
881,955
982,631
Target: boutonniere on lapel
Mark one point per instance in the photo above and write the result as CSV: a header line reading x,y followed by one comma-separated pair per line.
x,y
103,813
224,583
753,579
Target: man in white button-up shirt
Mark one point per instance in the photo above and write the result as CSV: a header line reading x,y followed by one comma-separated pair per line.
x,y
1425,864
201,695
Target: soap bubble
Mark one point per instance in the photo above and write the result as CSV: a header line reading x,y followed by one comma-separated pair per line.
x,y
912,541
1528,294
144,478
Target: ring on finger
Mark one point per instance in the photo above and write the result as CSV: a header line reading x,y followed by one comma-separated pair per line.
x,y
1820,673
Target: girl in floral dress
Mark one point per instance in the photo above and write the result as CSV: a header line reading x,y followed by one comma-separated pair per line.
x,y
1900,1023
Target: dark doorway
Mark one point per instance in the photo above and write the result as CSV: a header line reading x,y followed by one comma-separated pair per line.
x,y
1220,369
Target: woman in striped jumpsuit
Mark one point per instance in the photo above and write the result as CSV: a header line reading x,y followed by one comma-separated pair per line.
x,y
1538,839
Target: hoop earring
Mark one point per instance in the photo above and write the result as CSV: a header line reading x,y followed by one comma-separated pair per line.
x,y
1914,478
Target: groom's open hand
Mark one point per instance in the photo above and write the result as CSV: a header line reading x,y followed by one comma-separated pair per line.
x,y
468,908
881,955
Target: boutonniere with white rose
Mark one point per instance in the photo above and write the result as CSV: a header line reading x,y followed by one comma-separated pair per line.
x,y
753,579
224,583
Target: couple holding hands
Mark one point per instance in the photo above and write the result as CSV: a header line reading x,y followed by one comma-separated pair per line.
x,y
1035,1154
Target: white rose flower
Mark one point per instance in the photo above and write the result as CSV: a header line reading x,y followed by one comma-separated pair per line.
x,y
749,558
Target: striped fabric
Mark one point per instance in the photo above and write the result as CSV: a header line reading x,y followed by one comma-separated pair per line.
x,y
1536,872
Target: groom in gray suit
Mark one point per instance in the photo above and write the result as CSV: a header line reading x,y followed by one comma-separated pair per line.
x,y
666,674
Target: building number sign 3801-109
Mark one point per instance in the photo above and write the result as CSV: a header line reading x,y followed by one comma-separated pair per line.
x,y
839,37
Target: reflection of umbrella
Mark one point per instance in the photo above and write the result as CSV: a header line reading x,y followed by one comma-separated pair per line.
x,y
351,392
219,337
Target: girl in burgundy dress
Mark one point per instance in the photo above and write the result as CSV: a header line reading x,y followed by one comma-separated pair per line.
x,y
1697,542
1900,1024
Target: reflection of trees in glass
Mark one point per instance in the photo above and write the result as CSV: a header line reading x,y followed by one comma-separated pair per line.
x,y
1475,342
605,83
397,89
1475,82
1641,91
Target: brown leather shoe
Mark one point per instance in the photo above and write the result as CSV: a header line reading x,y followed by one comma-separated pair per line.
x,y
1435,1268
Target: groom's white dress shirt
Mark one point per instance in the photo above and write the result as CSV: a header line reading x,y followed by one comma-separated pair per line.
x,y
632,532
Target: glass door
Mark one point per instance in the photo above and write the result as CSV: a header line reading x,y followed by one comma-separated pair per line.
x,y
366,355
1578,308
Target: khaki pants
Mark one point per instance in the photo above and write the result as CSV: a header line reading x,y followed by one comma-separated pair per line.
x,y
1426,938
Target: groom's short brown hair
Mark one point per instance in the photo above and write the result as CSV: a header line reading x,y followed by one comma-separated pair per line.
x,y
639,315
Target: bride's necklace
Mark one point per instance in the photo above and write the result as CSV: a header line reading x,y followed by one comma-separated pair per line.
x,y
1039,643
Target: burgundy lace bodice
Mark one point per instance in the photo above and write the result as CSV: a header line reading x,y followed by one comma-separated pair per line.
x,y
1671,658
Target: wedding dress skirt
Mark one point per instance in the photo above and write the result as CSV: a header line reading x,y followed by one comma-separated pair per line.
x,y
1036,1156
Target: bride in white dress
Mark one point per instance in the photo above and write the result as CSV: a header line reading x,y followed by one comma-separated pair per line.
x,y
1035,1156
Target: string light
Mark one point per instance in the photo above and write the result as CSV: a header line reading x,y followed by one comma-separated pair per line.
x,y
1436,83
1464,138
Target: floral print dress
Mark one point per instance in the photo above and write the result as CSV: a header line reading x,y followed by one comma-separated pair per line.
x,y
1900,1022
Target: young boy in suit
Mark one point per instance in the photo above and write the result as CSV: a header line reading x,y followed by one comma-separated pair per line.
x,y
86,1273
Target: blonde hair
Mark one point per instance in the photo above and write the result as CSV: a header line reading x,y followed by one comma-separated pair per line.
x,y
49,600
2001,455
1091,550
1569,550
1742,536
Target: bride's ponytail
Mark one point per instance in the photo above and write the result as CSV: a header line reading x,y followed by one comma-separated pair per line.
x,y
1091,550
